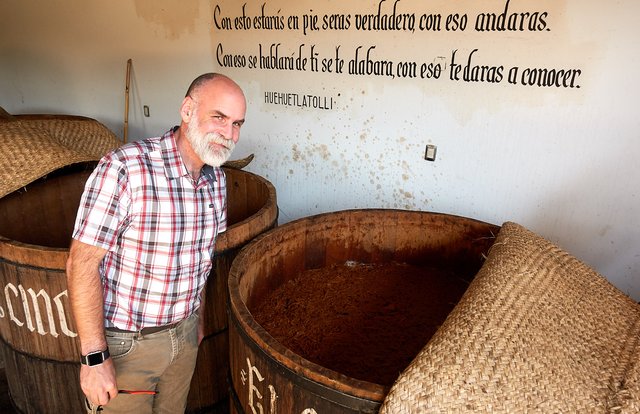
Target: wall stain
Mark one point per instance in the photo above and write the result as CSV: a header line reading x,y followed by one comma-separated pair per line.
x,y
297,155
175,21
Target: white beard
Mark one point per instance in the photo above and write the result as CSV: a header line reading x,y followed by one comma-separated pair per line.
x,y
202,144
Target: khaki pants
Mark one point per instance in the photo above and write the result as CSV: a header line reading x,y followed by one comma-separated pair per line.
x,y
162,361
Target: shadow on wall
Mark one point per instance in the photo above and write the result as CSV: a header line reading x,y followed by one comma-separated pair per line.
x,y
584,229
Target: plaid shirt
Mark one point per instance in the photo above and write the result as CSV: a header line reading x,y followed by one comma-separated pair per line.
x,y
159,228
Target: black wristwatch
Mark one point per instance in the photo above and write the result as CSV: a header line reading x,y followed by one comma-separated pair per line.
x,y
95,358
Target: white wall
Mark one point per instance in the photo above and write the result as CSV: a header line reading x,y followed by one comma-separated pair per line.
x,y
561,161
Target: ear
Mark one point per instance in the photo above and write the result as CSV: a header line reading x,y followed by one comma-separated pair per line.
x,y
186,109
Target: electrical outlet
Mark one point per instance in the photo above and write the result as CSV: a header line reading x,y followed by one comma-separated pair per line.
x,y
430,152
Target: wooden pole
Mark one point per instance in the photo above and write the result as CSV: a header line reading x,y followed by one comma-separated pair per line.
x,y
126,102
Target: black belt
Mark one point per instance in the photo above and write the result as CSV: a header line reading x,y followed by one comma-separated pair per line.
x,y
147,330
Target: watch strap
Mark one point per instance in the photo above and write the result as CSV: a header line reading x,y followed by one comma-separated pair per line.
x,y
95,358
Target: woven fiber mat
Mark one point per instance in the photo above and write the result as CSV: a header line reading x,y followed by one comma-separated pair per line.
x,y
4,115
537,331
33,146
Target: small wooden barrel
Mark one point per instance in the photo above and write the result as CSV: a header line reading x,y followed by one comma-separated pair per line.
x,y
268,377
38,339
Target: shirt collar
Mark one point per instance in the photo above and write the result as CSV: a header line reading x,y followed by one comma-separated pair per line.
x,y
174,166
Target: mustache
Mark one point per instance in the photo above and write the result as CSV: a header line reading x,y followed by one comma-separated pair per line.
x,y
219,139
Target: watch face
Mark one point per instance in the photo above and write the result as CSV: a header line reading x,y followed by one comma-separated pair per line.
x,y
95,359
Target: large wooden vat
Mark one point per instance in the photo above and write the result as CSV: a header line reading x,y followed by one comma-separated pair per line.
x,y
39,342
268,377
38,339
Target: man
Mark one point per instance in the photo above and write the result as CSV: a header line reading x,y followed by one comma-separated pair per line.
x,y
141,254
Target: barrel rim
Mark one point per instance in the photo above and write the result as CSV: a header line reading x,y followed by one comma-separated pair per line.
x,y
264,218
56,257
32,254
279,352
364,403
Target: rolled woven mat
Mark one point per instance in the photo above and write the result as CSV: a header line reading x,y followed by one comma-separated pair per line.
x,y
33,146
537,331
4,115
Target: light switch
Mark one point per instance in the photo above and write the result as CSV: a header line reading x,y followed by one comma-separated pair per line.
x,y
430,152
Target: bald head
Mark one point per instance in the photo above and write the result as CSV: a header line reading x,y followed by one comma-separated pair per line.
x,y
208,78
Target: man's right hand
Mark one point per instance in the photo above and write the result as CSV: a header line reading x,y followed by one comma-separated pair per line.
x,y
99,382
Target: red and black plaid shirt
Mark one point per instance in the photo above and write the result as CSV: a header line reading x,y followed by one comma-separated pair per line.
x,y
159,228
